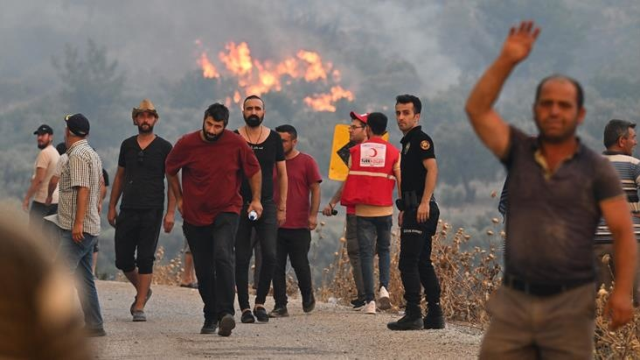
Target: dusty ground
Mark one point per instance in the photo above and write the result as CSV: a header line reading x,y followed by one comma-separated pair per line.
x,y
330,332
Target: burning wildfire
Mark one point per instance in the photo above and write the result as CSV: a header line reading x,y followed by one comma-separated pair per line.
x,y
260,77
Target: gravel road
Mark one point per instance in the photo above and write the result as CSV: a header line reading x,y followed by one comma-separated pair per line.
x,y
329,332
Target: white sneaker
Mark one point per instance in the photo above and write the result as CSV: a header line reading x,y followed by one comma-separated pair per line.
x,y
383,299
370,308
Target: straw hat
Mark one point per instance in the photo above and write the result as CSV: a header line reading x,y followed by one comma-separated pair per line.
x,y
145,106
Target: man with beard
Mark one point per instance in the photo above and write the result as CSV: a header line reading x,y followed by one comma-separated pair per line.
x,y
357,134
140,181
213,162
267,146
44,167
558,188
294,236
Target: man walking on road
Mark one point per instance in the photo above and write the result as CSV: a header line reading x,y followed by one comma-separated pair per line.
x,y
294,236
140,181
213,163
558,188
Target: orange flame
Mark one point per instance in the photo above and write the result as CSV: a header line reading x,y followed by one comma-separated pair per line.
x,y
208,69
325,102
260,77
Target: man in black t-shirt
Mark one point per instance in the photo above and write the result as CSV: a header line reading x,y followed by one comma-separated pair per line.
x,y
140,181
267,146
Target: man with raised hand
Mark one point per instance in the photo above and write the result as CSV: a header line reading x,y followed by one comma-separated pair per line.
x,y
558,188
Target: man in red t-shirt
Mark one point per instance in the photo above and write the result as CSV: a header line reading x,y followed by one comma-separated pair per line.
x,y
294,236
213,161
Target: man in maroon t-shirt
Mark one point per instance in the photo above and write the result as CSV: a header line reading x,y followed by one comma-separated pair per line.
x,y
213,161
294,236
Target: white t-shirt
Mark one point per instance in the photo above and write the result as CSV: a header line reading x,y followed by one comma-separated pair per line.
x,y
47,159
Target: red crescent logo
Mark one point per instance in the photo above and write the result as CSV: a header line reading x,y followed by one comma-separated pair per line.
x,y
375,152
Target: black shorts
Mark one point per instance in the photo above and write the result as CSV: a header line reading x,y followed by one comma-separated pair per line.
x,y
137,229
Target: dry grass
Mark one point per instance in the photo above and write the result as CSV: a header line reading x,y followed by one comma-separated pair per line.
x,y
468,275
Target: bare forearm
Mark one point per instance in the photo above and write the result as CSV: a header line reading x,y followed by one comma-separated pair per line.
x,y
53,184
315,199
35,184
116,190
174,185
487,90
171,199
625,253
283,188
336,197
82,203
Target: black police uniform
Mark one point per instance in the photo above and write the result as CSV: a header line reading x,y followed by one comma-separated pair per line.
x,y
415,251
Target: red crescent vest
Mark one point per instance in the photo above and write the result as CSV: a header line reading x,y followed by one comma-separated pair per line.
x,y
371,178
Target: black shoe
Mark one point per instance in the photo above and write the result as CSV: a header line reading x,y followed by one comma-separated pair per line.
x,y
279,312
209,327
434,319
358,304
406,323
95,332
261,314
227,323
308,306
247,317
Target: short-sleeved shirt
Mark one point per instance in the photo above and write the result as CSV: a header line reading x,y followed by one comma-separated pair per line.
x,y
552,217
47,159
628,169
416,147
268,153
105,177
211,174
302,172
144,173
82,169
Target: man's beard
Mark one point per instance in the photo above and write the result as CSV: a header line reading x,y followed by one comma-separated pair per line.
x,y
143,130
211,137
42,146
253,121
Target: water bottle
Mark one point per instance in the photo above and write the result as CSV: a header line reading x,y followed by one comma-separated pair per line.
x,y
253,215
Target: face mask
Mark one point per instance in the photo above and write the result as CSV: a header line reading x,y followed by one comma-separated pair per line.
x,y
211,137
253,121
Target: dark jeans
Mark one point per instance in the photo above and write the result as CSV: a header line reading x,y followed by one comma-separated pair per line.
x,y
266,232
415,257
213,260
353,250
79,260
295,244
137,232
374,233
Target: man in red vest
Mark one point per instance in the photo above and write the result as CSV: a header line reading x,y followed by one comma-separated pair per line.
x,y
374,167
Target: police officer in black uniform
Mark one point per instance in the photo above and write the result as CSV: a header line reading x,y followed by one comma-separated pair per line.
x,y
419,215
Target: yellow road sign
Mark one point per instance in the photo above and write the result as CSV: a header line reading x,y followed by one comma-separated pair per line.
x,y
338,165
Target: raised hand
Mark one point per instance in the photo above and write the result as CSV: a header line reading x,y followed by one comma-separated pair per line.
x,y
520,41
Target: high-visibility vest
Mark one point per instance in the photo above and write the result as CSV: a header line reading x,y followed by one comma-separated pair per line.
x,y
371,178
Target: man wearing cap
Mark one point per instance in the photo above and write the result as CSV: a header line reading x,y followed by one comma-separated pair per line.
x,y
44,167
140,181
357,134
213,162
374,169
78,217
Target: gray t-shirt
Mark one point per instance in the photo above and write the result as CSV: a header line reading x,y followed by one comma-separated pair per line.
x,y
552,218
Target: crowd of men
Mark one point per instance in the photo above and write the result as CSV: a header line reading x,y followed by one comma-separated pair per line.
x,y
236,188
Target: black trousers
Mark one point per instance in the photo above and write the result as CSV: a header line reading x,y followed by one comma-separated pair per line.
x,y
266,232
415,257
136,239
213,259
295,244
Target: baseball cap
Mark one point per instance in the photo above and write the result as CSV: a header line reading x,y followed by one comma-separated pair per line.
x,y
361,117
78,124
43,129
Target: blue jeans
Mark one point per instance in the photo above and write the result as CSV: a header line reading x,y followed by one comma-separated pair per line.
x,y
78,258
368,229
